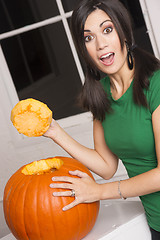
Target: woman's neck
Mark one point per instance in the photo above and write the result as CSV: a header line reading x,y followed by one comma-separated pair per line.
x,y
120,82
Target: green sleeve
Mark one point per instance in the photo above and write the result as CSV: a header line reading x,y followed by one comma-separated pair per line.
x,y
154,91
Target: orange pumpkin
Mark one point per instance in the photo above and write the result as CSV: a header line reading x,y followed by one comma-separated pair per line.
x,y
31,211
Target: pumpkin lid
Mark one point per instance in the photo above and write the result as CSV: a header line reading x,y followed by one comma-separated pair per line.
x,y
31,117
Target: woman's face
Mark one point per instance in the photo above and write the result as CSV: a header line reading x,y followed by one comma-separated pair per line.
x,y
103,44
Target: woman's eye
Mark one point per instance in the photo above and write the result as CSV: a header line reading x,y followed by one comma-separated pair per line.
x,y
88,38
108,30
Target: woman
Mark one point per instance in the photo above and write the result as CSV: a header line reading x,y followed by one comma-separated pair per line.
x,y
125,108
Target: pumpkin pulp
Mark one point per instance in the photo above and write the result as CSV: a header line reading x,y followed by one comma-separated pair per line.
x,y
31,117
42,166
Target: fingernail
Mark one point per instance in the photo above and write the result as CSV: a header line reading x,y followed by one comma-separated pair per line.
x,y
54,194
64,209
53,178
51,185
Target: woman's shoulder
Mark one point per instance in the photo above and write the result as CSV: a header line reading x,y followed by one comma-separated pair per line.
x,y
104,79
153,93
105,82
155,76
154,80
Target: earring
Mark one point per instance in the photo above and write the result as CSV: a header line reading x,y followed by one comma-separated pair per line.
x,y
130,60
129,57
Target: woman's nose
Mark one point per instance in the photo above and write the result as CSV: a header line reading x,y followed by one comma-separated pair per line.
x,y
101,42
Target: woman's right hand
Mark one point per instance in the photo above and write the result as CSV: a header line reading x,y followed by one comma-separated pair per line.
x,y
52,130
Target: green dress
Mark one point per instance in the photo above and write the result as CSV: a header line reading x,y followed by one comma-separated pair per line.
x,y
129,134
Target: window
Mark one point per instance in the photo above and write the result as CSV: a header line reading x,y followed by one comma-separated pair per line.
x,y
17,13
69,4
40,54
139,27
41,59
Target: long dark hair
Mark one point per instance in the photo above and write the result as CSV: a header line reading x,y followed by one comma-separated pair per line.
x,y
93,97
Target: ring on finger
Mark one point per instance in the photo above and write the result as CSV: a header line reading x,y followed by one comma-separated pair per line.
x,y
72,193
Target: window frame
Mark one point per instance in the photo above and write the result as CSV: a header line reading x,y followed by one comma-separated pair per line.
x,y
150,27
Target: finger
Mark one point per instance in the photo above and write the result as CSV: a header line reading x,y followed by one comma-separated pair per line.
x,y
78,173
62,194
52,123
71,205
63,179
61,185
51,126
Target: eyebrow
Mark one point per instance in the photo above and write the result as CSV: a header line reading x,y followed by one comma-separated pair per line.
x,y
104,22
100,24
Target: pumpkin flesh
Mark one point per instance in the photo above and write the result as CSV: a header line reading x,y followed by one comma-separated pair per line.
x,y
31,117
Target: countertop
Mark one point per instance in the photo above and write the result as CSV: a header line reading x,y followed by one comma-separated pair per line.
x,y
117,220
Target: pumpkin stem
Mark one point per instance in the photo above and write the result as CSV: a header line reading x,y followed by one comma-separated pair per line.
x,y
42,166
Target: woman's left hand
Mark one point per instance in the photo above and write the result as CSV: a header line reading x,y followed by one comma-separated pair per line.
x,y
85,188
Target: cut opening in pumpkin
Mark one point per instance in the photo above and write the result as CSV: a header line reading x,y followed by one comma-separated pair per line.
x,y
42,166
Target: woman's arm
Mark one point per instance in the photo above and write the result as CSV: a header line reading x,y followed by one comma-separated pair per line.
x,y
99,160
144,183
89,191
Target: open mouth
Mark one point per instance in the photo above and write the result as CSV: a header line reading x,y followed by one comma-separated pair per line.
x,y
107,59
